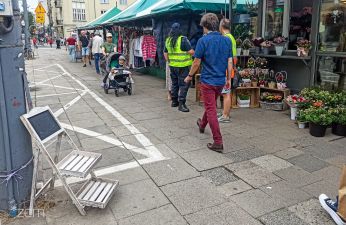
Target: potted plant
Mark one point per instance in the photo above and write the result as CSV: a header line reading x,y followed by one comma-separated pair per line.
x,y
339,121
272,101
301,119
243,101
257,43
319,119
291,101
271,80
303,47
245,77
279,43
254,81
265,46
247,44
239,45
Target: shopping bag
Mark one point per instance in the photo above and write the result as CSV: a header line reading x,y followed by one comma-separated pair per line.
x,y
342,195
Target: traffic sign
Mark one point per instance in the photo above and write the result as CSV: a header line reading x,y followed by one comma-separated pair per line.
x,y
40,18
40,8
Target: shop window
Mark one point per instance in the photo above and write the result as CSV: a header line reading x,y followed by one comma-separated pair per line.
x,y
123,2
300,21
274,18
245,18
331,73
332,27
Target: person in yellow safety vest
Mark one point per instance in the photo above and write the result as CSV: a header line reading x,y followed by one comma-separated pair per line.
x,y
178,53
224,117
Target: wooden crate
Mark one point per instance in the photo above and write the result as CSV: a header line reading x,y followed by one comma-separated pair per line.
x,y
284,92
254,93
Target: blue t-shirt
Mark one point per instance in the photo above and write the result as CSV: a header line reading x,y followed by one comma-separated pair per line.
x,y
214,50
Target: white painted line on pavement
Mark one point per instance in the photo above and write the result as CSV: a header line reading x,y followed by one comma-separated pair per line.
x,y
44,81
105,138
47,71
68,105
55,86
67,93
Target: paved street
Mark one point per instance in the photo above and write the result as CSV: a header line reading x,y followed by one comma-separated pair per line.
x,y
270,173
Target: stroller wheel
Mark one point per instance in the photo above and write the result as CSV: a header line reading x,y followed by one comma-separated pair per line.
x,y
106,90
129,91
116,92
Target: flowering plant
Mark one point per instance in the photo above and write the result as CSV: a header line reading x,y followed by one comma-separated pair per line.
x,y
303,43
239,43
266,44
297,101
339,115
319,116
270,97
280,40
245,73
257,41
247,44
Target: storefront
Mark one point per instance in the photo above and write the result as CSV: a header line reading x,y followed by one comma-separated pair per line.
x,y
320,21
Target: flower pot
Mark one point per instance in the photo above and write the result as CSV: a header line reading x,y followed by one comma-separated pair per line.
x,y
257,50
279,50
339,130
265,51
254,83
294,111
272,85
302,125
246,52
243,103
238,51
302,52
317,130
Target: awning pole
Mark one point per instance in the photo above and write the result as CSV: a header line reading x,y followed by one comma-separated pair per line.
x,y
230,13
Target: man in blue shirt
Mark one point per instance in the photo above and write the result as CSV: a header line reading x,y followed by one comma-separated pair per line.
x,y
214,51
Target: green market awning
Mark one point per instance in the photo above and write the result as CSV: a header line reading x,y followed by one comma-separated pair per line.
x,y
104,17
132,11
192,5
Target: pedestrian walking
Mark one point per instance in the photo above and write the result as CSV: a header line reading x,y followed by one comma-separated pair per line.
x,y
225,25
85,48
92,35
34,41
97,43
215,51
178,53
107,48
58,43
50,41
71,43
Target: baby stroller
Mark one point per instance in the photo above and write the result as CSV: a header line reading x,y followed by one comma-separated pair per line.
x,y
119,79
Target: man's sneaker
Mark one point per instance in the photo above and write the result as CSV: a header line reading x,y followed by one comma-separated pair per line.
x,y
219,114
332,208
223,119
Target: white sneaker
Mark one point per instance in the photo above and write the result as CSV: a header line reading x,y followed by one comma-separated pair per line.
x,y
331,207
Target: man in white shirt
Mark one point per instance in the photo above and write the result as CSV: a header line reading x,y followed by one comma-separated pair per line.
x,y
97,50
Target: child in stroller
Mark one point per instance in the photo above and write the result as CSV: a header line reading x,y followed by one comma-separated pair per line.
x,y
118,77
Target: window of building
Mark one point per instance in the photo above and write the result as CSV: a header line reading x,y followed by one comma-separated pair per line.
x,y
78,10
332,27
123,2
274,17
245,19
103,11
104,1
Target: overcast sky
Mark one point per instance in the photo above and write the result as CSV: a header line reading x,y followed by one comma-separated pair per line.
x,y
32,4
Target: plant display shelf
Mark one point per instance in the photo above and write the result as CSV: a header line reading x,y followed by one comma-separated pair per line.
x,y
285,93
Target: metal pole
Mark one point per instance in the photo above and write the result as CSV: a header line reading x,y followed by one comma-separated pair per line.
x,y
230,13
15,141
27,46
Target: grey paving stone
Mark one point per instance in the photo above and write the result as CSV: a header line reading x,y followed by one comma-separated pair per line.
x,y
135,198
338,161
331,174
286,192
234,167
170,171
326,187
114,156
171,132
289,153
145,116
312,213
245,154
233,188
26,221
121,130
272,146
308,162
282,217
325,150
67,213
219,176
257,176
165,215
297,176
271,163
193,195
224,214
186,144
128,176
256,202
93,144
205,159
233,143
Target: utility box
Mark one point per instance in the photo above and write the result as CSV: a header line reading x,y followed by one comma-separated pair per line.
x,y
6,8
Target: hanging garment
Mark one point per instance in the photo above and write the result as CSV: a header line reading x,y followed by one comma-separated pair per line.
x,y
149,47
120,43
138,47
131,53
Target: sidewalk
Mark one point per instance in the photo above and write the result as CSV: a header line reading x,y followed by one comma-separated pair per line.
x,y
271,172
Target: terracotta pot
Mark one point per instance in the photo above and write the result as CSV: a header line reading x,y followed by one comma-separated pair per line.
x,y
254,84
272,85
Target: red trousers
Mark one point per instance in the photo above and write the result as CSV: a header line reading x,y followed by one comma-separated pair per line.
x,y
210,94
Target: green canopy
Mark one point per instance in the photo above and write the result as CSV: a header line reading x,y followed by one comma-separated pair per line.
x,y
193,5
132,11
104,17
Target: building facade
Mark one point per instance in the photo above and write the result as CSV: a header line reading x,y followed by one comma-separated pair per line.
x,y
69,14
